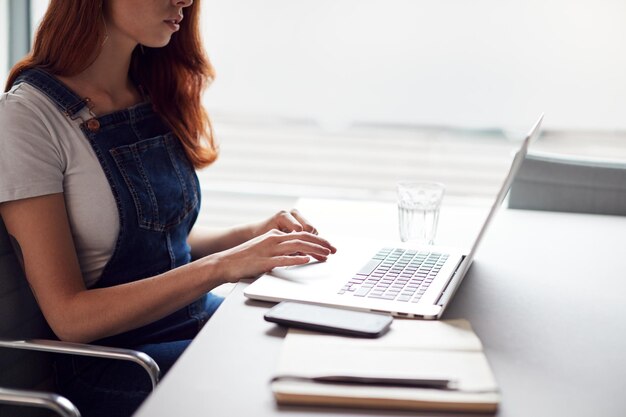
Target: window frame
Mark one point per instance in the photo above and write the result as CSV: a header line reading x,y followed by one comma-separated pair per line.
x,y
19,30
4,38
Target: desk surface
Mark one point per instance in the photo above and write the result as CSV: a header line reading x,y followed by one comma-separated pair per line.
x,y
545,295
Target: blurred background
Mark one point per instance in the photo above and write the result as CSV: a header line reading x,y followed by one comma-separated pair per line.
x,y
342,98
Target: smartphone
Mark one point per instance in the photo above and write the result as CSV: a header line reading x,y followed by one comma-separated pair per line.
x,y
329,319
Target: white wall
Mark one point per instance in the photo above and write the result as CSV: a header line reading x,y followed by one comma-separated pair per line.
x,y
482,63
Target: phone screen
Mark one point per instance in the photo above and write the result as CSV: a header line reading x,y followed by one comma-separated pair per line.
x,y
331,319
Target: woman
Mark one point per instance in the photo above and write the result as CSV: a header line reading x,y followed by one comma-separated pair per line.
x,y
102,128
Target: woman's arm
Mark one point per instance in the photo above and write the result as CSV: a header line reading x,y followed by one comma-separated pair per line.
x,y
40,227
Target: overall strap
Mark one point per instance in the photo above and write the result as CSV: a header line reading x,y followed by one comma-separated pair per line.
x,y
64,98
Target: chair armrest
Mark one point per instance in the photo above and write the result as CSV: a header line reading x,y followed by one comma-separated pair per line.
x,y
55,346
61,405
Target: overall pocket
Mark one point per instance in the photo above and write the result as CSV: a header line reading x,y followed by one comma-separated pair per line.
x,y
160,179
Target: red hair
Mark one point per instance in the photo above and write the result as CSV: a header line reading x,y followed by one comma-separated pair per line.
x,y
71,35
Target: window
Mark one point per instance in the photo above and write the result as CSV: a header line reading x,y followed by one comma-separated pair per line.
x,y
15,33
37,10
341,99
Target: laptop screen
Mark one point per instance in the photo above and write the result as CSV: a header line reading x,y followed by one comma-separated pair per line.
x,y
504,189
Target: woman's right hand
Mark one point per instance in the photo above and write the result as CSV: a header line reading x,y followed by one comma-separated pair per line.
x,y
270,250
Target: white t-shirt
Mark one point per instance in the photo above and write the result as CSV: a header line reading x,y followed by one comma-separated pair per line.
x,y
43,151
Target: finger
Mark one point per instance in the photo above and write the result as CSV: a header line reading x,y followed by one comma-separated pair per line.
x,y
288,223
287,260
277,239
314,239
307,226
300,246
319,258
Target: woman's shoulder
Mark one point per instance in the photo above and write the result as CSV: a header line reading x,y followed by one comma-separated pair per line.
x,y
25,110
31,161
23,99
27,120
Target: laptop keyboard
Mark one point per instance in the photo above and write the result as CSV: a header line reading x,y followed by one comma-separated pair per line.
x,y
396,274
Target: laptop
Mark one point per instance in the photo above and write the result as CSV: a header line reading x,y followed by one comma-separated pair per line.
x,y
404,280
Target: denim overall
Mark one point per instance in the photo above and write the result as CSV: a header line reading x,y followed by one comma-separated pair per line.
x,y
157,195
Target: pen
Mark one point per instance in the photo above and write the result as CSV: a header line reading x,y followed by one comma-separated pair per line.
x,y
375,381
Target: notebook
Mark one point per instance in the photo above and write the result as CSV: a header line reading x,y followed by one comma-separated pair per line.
x,y
406,281
438,365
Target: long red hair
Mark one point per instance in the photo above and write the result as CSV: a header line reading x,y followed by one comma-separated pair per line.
x,y
69,39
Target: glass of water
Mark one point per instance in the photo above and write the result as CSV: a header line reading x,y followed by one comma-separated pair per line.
x,y
418,210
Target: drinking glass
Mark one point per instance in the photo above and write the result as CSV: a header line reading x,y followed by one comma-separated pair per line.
x,y
418,210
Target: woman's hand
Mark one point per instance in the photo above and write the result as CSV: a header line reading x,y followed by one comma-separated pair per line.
x,y
204,241
285,221
270,250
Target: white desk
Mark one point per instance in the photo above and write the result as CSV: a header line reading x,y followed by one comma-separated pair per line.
x,y
545,295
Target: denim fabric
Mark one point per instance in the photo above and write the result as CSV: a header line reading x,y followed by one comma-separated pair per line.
x,y
109,388
157,194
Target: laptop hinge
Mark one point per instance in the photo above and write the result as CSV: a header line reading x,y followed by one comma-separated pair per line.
x,y
449,290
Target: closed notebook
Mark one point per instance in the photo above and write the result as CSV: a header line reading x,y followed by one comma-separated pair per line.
x,y
413,351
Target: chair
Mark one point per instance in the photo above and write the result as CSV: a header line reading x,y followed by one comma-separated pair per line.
x,y
558,183
26,378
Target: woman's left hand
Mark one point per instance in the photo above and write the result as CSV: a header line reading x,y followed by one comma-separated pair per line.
x,y
285,221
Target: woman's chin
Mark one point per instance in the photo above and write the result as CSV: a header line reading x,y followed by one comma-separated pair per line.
x,y
157,43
